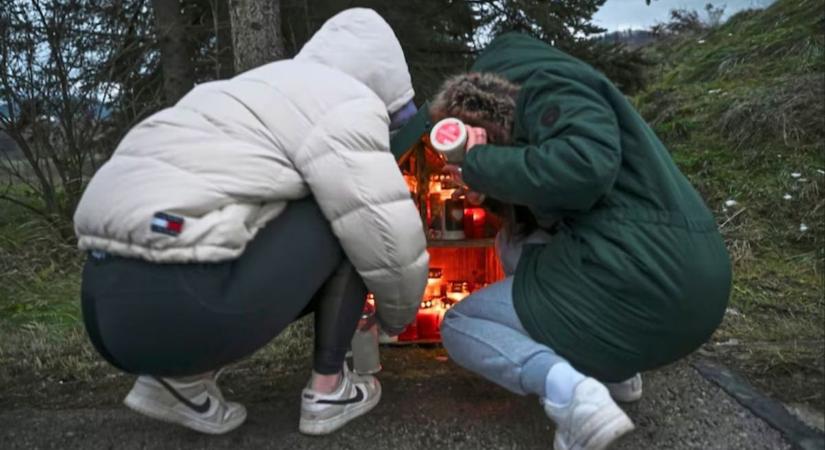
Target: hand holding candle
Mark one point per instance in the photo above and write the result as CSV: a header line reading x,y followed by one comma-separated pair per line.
x,y
453,139
475,136
475,198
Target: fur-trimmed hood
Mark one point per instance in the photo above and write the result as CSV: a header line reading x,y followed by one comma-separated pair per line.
x,y
479,99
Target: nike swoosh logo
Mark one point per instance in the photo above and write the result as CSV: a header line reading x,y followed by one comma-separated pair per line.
x,y
359,395
200,409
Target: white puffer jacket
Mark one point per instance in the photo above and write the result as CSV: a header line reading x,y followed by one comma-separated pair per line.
x,y
229,156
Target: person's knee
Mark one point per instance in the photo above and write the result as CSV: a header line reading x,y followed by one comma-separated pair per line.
x,y
457,320
487,303
468,307
449,329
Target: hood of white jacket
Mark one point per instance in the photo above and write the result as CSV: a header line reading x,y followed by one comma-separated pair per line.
x,y
361,44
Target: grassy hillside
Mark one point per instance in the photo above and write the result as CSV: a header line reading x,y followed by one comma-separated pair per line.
x,y
741,107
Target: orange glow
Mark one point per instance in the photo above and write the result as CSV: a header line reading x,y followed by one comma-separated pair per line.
x,y
457,267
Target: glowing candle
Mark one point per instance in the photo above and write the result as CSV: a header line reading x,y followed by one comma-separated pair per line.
x,y
474,221
429,321
410,333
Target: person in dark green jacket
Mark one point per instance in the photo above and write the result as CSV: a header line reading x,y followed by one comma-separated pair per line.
x,y
618,265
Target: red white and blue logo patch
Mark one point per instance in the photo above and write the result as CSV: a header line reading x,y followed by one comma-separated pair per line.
x,y
167,224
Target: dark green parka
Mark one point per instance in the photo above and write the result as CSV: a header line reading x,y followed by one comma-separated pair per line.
x,y
638,276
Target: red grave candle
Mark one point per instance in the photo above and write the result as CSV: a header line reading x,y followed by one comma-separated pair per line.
x,y
475,219
410,333
428,324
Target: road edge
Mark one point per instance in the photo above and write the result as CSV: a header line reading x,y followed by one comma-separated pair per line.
x,y
799,434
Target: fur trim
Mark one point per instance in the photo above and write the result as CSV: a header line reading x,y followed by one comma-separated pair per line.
x,y
479,99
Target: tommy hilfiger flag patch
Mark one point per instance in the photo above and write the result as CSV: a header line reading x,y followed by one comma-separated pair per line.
x,y
167,224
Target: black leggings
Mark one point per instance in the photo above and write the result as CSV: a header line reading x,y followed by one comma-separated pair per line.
x,y
178,320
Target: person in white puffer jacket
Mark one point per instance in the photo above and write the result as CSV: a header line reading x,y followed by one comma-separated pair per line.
x,y
250,202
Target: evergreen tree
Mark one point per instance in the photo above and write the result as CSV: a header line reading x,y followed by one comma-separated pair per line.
x,y
443,37
562,23
567,25
436,35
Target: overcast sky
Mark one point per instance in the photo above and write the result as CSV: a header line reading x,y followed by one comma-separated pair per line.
x,y
626,14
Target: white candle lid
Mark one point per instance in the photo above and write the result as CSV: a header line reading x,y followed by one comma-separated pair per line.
x,y
448,135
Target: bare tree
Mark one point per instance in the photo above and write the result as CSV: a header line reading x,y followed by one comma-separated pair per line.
x,y
65,69
715,14
175,49
256,32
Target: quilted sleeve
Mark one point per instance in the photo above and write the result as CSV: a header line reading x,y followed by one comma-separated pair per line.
x,y
349,169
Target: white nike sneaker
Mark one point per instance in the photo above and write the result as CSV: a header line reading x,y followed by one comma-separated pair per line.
x,y
325,413
198,404
591,421
627,391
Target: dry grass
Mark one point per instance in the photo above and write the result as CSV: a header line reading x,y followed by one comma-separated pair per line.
x,y
791,110
37,352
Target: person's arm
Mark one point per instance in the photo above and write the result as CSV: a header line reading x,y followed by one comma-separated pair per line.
x,y
573,158
347,165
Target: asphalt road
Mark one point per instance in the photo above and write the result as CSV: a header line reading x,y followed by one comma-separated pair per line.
x,y
428,403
